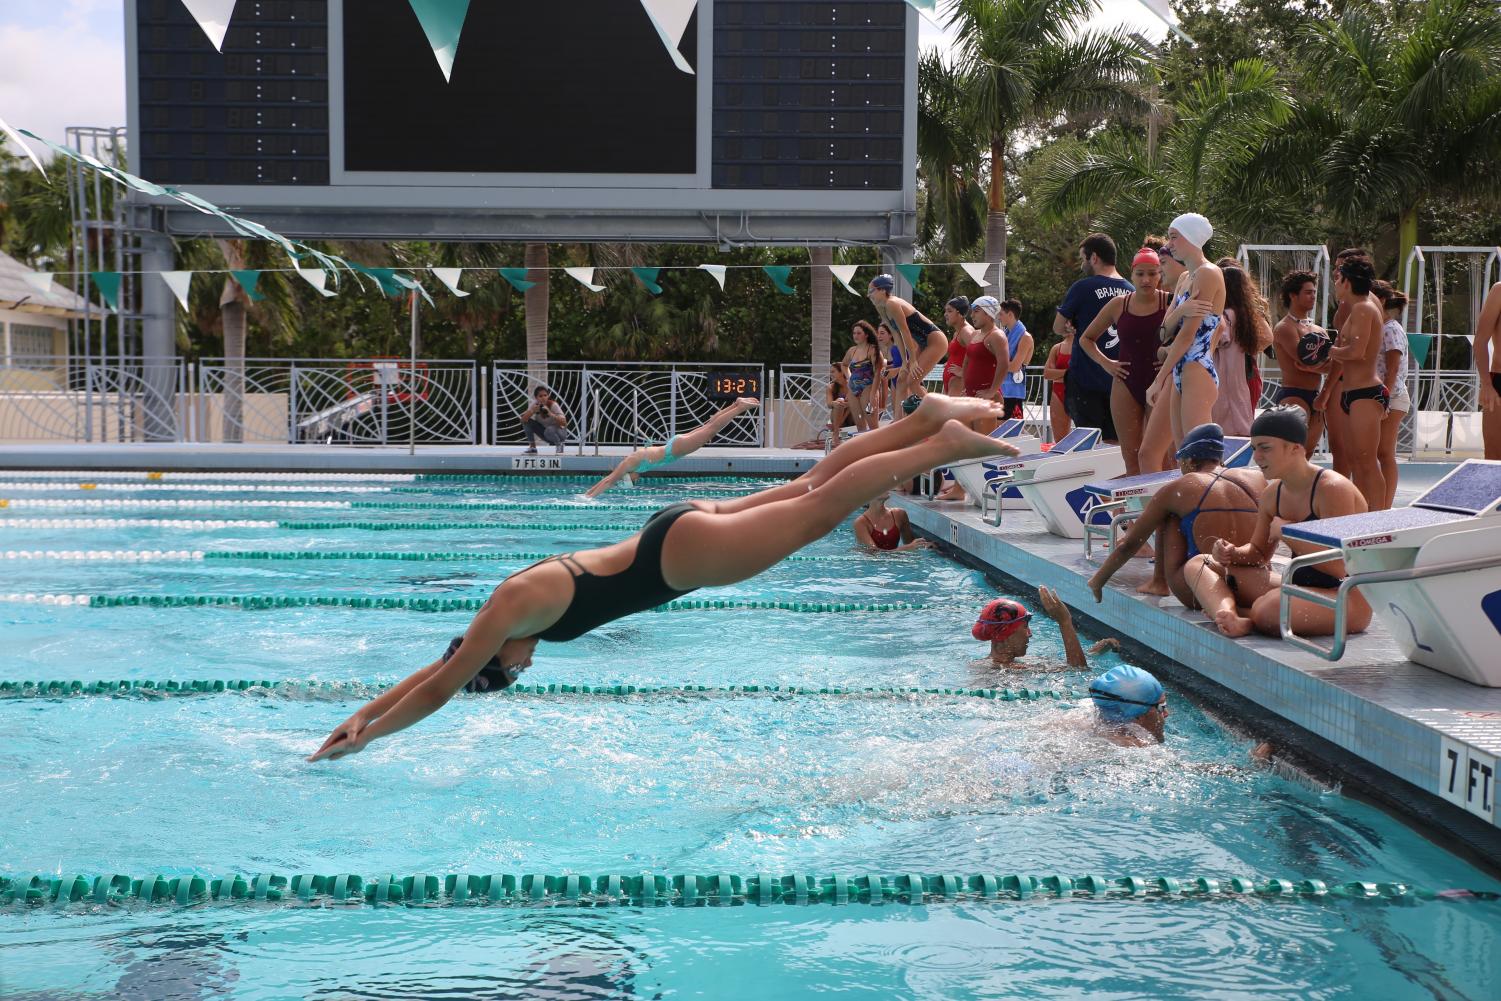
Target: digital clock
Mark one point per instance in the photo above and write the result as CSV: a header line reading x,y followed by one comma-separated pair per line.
x,y
730,385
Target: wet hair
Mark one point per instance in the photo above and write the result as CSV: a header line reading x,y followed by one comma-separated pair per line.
x,y
1293,282
1012,306
1359,272
865,327
1100,245
1243,295
1358,252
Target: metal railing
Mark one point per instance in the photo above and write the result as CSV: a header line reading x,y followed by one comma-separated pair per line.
x,y
386,401
621,403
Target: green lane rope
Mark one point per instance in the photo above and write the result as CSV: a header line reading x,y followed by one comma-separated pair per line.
x,y
299,554
264,601
573,478
686,889
492,506
444,526
342,689
674,486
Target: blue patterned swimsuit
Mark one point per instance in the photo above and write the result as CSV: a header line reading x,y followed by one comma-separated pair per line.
x,y
1202,349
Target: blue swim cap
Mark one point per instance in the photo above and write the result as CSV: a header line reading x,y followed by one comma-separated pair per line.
x,y
1124,693
1207,441
884,282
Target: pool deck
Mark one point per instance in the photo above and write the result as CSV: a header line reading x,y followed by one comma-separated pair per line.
x,y
172,457
1374,716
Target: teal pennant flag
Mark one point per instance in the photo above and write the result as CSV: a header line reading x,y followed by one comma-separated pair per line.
x,y
384,277
779,273
648,277
248,281
1417,347
911,272
443,22
517,278
108,284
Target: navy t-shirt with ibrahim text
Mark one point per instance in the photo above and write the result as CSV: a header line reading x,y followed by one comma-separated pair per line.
x,y
1085,298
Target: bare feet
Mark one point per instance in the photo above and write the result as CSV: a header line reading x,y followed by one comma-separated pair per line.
x,y
1154,586
1232,624
937,408
959,442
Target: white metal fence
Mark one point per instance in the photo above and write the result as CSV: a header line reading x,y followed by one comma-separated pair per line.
x,y
381,401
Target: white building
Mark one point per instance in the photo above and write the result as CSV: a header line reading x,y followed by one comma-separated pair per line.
x,y
34,317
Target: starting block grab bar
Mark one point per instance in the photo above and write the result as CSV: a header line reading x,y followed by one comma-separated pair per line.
x,y
1339,603
1109,533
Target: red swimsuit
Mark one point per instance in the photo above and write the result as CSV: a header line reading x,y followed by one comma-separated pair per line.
x,y
884,540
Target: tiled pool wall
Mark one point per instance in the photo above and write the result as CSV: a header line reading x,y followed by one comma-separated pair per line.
x,y
1385,728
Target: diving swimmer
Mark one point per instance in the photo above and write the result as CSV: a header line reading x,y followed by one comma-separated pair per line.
x,y
678,446
681,548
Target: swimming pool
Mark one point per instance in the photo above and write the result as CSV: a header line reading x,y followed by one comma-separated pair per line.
x,y
659,782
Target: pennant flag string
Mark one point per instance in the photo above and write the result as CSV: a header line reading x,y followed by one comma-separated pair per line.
x,y
648,277
517,278
717,270
248,281
845,273
442,22
779,273
450,277
179,282
911,272
585,277
213,17
108,284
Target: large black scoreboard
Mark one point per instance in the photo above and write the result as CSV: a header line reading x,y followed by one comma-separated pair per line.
x,y
795,105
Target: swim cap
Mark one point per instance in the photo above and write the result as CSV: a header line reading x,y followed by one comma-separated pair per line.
x,y
1287,423
1148,256
1194,228
1207,441
1313,347
1000,619
497,676
960,304
910,404
987,304
884,282
1124,693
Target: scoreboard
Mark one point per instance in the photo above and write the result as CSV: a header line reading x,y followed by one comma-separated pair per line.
x,y
793,107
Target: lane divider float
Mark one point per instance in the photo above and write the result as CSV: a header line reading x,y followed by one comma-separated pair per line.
x,y
686,889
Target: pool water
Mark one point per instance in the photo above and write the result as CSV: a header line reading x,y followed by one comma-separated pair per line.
x,y
656,782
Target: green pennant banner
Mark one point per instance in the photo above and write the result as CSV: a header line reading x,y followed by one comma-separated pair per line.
x,y
108,284
442,22
248,281
384,277
517,278
1417,348
648,277
911,272
779,273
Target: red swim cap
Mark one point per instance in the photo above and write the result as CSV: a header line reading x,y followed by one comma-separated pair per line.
x,y
1148,256
1000,619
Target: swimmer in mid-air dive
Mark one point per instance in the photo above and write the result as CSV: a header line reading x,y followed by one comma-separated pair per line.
x,y
681,548
679,445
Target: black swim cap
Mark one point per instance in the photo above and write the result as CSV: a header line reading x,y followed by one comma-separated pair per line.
x,y
1287,423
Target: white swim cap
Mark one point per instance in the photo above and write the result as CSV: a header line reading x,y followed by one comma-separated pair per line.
x,y
1194,228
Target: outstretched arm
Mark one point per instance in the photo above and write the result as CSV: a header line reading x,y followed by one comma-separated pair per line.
x,y
626,465
1059,613
1157,510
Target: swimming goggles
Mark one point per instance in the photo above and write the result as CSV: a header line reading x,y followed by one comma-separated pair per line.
x,y
1095,693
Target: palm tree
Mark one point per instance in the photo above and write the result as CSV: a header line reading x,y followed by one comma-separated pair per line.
x,y
1203,161
1396,112
952,213
1025,66
823,305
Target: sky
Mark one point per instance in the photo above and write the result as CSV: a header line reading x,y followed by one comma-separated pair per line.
x,y
62,62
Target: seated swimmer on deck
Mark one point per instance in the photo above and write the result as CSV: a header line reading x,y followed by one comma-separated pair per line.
x,y
1207,502
681,548
679,445
1004,625
1241,577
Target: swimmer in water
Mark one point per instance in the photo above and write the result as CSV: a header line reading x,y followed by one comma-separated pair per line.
x,y
1130,706
681,548
887,528
679,445
1004,625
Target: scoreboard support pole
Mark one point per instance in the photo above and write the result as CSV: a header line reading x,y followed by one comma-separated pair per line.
x,y
158,336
